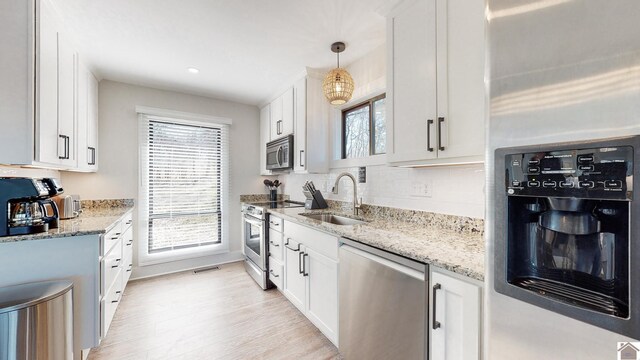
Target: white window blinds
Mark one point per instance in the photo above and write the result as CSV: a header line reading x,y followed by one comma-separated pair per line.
x,y
184,184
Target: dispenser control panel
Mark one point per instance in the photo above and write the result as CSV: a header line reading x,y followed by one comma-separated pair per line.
x,y
602,173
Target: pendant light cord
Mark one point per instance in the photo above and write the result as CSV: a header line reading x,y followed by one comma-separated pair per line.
x,y
338,59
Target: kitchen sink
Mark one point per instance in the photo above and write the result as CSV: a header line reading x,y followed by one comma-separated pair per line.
x,y
334,219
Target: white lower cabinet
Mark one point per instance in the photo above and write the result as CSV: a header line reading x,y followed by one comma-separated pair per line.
x,y
311,276
455,317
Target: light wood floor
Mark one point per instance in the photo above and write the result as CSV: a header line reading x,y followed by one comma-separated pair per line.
x,y
220,314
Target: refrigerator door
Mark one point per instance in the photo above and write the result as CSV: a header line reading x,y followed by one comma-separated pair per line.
x,y
559,71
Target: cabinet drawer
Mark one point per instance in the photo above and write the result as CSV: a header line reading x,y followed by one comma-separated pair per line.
x,y
109,304
276,272
127,243
276,223
323,243
110,238
275,244
110,265
127,221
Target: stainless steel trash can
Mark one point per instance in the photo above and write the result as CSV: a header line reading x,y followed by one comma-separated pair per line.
x,y
36,321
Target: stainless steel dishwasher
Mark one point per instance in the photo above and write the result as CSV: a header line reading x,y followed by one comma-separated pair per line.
x,y
383,304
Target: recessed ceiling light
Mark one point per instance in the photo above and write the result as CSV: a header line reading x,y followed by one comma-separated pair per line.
x,y
193,70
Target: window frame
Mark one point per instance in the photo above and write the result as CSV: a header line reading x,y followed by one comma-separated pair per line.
x,y
144,257
343,134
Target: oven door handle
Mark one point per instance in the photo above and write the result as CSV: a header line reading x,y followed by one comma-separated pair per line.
x,y
252,222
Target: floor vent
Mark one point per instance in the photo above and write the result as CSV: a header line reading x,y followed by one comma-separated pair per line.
x,y
201,270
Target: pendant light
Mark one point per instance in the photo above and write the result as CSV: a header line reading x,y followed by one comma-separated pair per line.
x,y
338,84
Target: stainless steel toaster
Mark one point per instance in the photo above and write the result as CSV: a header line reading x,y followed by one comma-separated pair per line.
x,y
68,206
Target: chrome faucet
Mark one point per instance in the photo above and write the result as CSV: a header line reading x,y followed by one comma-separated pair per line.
x,y
356,204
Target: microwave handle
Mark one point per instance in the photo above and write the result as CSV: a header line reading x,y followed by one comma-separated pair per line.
x,y
279,155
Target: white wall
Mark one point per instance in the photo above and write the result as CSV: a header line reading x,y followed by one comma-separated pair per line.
x,y
455,190
117,177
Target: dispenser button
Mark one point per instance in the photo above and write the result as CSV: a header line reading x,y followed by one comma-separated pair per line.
x,y
548,184
515,163
516,183
585,159
566,184
534,162
533,184
613,184
534,169
587,184
585,167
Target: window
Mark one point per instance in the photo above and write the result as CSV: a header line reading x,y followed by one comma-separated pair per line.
x,y
184,186
364,129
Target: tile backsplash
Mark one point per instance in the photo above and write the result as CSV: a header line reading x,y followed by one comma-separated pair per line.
x,y
453,190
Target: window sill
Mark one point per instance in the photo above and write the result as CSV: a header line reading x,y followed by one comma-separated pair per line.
x,y
183,254
364,161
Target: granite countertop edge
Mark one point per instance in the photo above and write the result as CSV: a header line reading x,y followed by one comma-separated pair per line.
x,y
405,240
90,222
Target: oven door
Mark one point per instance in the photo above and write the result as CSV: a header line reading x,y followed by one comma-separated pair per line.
x,y
254,241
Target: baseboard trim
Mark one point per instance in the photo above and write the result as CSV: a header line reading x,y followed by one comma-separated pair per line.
x,y
151,271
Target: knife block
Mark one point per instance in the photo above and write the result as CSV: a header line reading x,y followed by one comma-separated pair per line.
x,y
314,201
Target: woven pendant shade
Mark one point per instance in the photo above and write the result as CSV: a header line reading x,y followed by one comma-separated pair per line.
x,y
338,86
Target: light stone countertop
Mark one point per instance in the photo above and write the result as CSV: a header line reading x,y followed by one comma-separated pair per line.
x,y
90,222
462,253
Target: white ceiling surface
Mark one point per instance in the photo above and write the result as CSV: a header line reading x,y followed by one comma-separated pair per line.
x,y
245,49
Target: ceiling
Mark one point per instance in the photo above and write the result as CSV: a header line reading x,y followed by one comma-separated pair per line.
x,y
245,50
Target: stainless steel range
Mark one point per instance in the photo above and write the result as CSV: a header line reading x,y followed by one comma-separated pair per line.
x,y
256,238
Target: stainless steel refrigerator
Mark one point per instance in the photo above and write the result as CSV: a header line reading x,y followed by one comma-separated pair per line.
x,y
558,71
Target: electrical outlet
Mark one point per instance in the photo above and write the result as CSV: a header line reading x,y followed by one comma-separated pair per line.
x,y
422,189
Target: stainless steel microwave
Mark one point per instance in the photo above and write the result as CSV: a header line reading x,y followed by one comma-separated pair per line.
x,y
280,154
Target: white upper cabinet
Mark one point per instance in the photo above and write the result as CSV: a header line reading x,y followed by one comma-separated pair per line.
x,y
435,77
265,137
311,139
282,115
39,95
87,119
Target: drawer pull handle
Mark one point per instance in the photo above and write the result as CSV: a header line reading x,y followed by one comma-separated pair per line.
x,y
274,274
129,243
274,244
117,264
274,223
129,222
114,238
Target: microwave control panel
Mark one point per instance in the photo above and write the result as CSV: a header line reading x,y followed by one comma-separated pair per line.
x,y
601,173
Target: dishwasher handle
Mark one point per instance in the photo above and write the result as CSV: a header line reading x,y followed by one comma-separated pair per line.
x,y
385,262
436,324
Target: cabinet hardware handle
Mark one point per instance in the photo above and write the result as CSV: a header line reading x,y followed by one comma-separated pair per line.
x,y
66,147
129,222
440,121
429,123
129,243
298,249
117,264
114,238
274,223
436,324
92,158
274,274
304,265
300,269
118,234
301,153
274,244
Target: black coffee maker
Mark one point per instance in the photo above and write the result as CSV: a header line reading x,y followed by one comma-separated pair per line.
x,y
28,205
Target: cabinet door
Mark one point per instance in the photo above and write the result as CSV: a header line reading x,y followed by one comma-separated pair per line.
x,y
322,292
461,89
294,280
92,122
66,102
455,326
411,74
82,116
286,127
300,140
265,137
276,118
47,86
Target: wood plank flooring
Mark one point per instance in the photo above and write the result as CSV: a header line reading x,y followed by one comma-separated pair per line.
x,y
220,314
